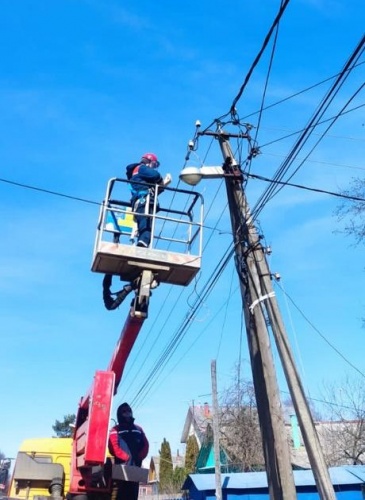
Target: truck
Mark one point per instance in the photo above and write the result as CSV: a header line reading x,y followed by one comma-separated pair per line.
x,y
79,468
42,468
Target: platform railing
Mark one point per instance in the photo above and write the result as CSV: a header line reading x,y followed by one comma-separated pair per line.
x,y
176,218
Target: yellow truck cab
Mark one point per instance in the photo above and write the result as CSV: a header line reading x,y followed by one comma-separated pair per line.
x,y
41,469
42,472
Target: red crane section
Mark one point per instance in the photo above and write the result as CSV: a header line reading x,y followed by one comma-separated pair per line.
x,y
93,417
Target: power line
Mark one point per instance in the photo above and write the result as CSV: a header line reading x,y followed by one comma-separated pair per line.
x,y
319,333
327,163
301,141
316,125
279,15
266,82
54,193
307,188
324,133
329,403
96,203
307,89
70,197
232,111
254,176
174,305
182,329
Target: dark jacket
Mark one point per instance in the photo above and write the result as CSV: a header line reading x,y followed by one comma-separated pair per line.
x,y
128,443
142,179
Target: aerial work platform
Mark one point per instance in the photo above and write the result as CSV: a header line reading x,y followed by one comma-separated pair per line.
x,y
174,254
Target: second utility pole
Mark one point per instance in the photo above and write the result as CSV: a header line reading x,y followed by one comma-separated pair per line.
x,y
217,454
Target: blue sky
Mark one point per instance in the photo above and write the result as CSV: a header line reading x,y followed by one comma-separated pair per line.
x,y
86,87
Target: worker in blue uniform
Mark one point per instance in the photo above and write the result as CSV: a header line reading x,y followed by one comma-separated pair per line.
x,y
143,176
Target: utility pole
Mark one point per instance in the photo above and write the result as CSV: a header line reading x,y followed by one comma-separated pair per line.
x,y
275,445
258,298
217,458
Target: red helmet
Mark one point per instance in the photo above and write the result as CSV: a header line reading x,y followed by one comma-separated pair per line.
x,y
152,159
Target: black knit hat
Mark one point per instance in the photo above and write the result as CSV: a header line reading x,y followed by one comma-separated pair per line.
x,y
121,408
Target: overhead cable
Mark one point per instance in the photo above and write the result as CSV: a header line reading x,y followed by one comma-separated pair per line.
x,y
182,329
307,188
307,89
279,15
320,334
323,106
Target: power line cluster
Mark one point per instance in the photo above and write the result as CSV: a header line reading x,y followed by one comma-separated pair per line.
x,y
273,182
182,329
283,169
313,123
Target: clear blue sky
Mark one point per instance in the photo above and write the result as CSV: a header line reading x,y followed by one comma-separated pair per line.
x,y
87,86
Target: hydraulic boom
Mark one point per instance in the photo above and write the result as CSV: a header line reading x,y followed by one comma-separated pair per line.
x,y
93,417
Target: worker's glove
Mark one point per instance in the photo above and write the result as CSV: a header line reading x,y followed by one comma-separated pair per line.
x,y
167,179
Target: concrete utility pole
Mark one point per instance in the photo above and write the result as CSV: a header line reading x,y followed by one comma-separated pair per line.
x,y
275,444
258,297
217,458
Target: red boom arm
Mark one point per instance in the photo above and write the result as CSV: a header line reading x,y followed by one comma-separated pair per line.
x,y
93,417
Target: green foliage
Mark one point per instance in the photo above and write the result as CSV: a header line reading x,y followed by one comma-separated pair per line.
x,y
166,468
178,478
63,429
191,454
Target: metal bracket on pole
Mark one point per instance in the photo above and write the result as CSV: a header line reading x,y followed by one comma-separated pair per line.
x,y
232,169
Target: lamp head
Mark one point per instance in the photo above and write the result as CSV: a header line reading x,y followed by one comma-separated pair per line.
x,y
191,175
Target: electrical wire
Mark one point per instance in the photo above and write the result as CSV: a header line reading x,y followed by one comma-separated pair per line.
x,y
307,188
233,112
323,106
325,132
264,93
274,25
303,91
47,191
325,163
225,314
198,336
321,334
55,193
342,113
182,329
174,305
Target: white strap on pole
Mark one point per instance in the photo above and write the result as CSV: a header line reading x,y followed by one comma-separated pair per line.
x,y
260,299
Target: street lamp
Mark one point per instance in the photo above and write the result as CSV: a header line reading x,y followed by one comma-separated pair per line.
x,y
193,175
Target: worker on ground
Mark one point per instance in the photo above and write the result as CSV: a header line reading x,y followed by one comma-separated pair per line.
x,y
129,445
143,177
